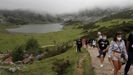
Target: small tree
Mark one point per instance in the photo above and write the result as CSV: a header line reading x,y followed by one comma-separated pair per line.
x,y
18,53
32,46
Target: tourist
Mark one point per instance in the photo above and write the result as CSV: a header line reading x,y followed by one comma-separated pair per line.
x,y
130,53
103,48
94,43
117,49
78,45
99,37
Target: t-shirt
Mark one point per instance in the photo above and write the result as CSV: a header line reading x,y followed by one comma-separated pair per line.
x,y
130,39
103,44
79,43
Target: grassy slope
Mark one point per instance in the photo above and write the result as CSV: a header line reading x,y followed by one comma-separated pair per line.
x,y
44,67
110,27
9,41
110,23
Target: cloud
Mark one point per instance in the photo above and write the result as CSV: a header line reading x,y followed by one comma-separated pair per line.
x,y
62,6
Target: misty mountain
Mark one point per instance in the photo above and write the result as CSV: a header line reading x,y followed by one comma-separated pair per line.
x,y
25,16
91,15
87,16
124,14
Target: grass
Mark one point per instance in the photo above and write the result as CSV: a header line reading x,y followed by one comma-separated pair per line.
x,y
88,70
110,27
110,23
44,67
9,40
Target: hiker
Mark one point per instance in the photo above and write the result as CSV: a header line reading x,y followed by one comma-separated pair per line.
x,y
130,53
99,36
78,45
86,43
103,48
117,50
83,42
93,43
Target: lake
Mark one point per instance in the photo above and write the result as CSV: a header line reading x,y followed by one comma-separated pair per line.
x,y
37,28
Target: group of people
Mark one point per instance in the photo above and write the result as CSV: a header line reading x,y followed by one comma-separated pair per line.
x,y
119,51
82,42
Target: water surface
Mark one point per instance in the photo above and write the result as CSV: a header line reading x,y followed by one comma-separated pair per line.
x,y
37,28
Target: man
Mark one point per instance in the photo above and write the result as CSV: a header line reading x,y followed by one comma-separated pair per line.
x,y
103,47
99,37
130,52
79,45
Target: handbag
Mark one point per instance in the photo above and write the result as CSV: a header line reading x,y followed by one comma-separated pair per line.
x,y
123,57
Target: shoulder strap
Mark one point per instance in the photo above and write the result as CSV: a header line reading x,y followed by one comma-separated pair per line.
x,y
119,46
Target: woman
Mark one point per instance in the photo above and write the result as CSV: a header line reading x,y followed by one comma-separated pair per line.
x,y
117,47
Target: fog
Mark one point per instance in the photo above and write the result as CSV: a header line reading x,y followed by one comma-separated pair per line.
x,y
62,6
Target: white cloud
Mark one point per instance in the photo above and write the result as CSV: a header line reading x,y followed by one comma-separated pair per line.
x,y
62,6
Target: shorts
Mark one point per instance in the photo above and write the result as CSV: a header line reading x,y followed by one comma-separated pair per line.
x,y
116,56
102,53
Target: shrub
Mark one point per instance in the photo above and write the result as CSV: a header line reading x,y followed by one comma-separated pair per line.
x,y
59,66
58,49
18,53
32,46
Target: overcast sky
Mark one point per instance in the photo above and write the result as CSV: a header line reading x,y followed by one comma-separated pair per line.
x,y
62,6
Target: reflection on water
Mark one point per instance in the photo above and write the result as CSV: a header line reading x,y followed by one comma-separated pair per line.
x,y
37,28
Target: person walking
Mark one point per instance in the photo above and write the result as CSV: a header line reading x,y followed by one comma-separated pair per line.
x,y
130,53
99,37
117,49
78,45
103,48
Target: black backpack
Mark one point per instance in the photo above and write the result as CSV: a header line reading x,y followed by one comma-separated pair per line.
x,y
131,41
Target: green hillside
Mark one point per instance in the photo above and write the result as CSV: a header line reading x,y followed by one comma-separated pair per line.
x,y
122,21
8,41
68,61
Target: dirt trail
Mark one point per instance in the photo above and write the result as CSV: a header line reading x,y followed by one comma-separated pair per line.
x,y
79,67
107,69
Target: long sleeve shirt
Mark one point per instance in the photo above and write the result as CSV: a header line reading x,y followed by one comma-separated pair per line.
x,y
117,47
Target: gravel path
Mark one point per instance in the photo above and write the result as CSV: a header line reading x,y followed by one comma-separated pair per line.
x,y
107,69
